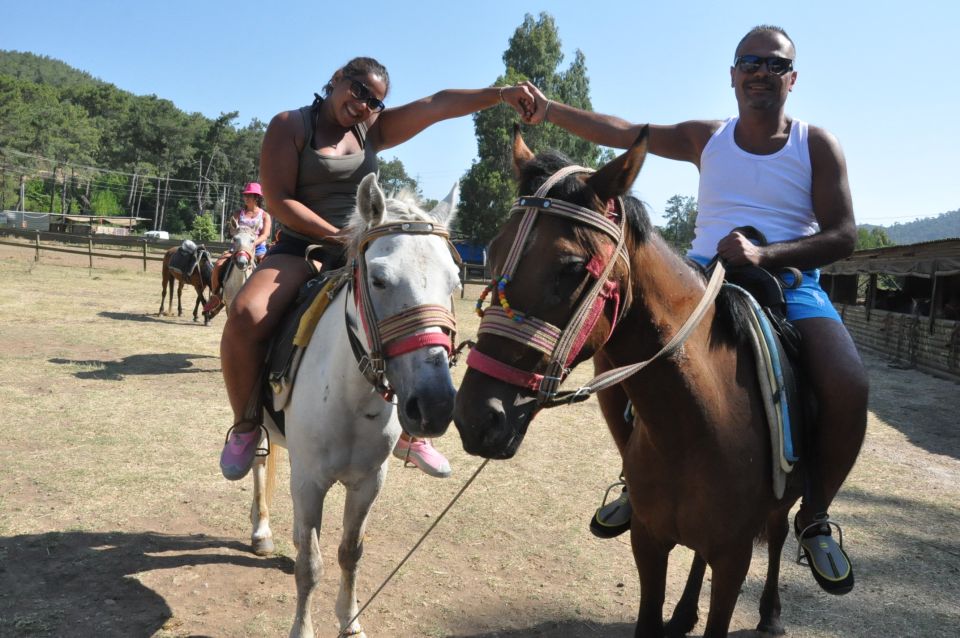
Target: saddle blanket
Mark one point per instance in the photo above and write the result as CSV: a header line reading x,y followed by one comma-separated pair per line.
x,y
783,403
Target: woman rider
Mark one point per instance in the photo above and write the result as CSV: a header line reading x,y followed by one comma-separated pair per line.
x,y
311,163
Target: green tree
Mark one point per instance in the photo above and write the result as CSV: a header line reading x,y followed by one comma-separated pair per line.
x,y
487,189
393,177
681,216
871,237
203,229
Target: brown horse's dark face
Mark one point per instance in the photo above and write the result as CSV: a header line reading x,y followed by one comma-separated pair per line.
x,y
551,278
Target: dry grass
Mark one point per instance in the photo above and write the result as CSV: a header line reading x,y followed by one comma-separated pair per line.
x,y
112,488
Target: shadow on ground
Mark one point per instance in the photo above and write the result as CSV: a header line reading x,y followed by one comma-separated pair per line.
x,y
57,584
900,396
136,364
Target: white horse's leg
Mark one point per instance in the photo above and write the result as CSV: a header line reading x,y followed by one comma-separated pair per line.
x,y
264,478
308,513
360,498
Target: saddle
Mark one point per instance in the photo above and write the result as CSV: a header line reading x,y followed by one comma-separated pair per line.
x,y
186,259
775,343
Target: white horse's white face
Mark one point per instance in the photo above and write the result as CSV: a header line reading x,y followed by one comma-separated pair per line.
x,y
403,271
244,243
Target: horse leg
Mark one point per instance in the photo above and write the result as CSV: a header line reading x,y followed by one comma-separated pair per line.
x,y
163,293
197,306
179,298
308,497
360,498
686,614
777,529
729,568
651,556
264,480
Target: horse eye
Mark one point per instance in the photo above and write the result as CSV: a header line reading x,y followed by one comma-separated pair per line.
x,y
379,283
572,268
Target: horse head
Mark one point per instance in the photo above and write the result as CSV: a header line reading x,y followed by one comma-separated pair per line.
x,y
561,282
243,246
405,276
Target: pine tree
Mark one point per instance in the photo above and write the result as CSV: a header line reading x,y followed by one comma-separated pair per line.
x,y
487,189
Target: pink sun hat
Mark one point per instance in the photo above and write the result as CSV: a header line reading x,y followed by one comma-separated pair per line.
x,y
253,188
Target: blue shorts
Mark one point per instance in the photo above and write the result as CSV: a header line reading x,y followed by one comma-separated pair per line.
x,y
809,301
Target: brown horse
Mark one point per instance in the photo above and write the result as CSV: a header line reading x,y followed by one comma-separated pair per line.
x,y
199,278
697,456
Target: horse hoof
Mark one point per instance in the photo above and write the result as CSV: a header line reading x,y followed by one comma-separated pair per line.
x,y
263,546
771,628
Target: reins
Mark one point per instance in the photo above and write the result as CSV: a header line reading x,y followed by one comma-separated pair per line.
x,y
423,537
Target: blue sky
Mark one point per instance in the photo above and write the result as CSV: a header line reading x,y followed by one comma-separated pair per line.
x,y
879,75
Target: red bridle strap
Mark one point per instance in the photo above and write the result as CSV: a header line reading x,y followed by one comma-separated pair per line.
x,y
417,341
499,370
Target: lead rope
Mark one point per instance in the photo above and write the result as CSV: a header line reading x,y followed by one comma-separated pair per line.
x,y
344,632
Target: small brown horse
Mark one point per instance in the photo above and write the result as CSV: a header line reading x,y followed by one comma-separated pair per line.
x,y
697,456
199,278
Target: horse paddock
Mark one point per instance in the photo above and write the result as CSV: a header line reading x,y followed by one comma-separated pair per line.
x,y
115,521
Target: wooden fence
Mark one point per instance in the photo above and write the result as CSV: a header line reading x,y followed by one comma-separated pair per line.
x,y
110,247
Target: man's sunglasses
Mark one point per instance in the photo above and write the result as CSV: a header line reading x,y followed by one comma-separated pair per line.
x,y
751,63
360,91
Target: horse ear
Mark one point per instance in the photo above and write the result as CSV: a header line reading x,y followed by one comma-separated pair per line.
x,y
616,176
371,202
521,152
446,210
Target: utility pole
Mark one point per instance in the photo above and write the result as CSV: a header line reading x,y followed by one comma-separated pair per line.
x,y
53,187
63,197
223,210
21,203
156,206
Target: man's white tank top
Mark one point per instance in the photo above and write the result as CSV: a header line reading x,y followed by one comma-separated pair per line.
x,y
769,192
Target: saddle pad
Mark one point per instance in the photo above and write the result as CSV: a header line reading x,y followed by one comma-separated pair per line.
x,y
295,331
184,262
782,401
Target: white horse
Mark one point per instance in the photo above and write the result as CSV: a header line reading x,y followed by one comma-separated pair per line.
x,y
244,261
339,426
238,269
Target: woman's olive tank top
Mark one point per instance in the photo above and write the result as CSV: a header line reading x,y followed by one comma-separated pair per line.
x,y
327,184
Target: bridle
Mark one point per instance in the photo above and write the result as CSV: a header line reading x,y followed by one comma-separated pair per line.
x,y
560,345
404,331
563,346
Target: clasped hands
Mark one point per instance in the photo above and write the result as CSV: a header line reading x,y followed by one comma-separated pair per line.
x,y
527,100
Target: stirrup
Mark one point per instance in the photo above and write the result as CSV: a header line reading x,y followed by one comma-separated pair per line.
x,y
822,554
600,525
261,426
817,521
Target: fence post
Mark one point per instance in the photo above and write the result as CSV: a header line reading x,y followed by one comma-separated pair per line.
x,y
463,279
36,257
90,250
144,255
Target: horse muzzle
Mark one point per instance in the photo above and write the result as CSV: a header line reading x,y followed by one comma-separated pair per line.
x,y
425,406
491,424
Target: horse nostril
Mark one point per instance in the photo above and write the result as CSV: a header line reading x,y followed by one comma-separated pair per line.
x,y
412,409
496,417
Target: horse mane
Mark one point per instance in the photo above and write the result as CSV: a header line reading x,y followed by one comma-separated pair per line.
x,y
732,310
402,206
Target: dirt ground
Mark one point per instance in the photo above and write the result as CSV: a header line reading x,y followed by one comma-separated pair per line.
x,y
115,521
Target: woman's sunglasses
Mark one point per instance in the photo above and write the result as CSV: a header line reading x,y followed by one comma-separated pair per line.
x,y
360,91
751,63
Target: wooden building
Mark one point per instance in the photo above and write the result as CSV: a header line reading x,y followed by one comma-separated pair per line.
x,y
903,302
